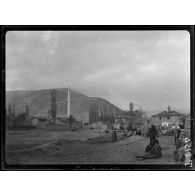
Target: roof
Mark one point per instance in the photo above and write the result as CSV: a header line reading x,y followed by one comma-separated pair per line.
x,y
42,119
139,121
124,117
39,118
62,119
166,113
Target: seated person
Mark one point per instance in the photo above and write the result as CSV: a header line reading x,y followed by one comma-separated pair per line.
x,y
153,150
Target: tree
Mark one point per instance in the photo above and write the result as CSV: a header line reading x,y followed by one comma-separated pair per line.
x,y
13,111
93,112
21,117
27,111
71,120
145,114
53,105
9,110
141,112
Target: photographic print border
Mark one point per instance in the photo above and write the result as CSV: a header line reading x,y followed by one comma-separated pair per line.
x,y
5,166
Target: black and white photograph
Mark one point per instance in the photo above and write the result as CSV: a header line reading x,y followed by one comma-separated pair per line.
x,y
98,97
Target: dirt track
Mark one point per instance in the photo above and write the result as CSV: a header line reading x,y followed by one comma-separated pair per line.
x,y
80,147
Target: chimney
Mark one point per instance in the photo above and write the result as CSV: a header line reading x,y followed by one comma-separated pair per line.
x,y
131,107
169,109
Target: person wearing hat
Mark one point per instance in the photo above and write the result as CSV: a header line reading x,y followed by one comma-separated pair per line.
x,y
153,149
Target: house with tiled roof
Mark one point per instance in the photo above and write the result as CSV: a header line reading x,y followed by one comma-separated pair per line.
x,y
126,120
123,120
169,117
61,120
39,122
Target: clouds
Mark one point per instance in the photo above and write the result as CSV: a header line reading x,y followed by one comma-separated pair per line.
x,y
121,66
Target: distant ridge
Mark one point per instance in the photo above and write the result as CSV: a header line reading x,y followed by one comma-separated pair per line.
x,y
39,102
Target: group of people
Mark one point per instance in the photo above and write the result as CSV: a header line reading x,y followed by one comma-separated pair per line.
x,y
153,149
126,131
170,129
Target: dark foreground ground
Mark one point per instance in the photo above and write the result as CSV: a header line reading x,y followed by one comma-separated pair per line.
x,y
80,147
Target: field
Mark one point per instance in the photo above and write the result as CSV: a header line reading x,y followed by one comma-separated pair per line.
x,y
37,146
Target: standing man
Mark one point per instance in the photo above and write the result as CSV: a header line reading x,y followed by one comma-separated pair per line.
x,y
114,136
176,129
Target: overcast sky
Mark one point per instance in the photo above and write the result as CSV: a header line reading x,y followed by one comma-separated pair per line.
x,y
149,68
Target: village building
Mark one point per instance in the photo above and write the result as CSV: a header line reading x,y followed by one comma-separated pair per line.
x,y
139,123
132,118
39,122
99,125
123,120
61,120
166,117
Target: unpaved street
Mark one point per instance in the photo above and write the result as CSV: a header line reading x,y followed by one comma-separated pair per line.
x,y
80,147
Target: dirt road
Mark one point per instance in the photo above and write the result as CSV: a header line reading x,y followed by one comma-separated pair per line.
x,y
80,147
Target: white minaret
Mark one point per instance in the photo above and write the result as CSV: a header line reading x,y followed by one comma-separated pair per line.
x,y
68,106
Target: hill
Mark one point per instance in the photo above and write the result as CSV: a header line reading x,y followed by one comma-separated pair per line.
x,y
39,102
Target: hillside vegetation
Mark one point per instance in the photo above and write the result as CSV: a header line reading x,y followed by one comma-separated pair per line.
x,y
39,102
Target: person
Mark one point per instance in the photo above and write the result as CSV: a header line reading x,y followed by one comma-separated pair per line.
x,y
129,128
177,133
152,151
181,125
135,129
122,127
172,129
114,136
152,130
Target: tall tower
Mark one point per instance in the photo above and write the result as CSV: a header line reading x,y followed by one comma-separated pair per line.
x,y
169,109
131,107
68,104
53,105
